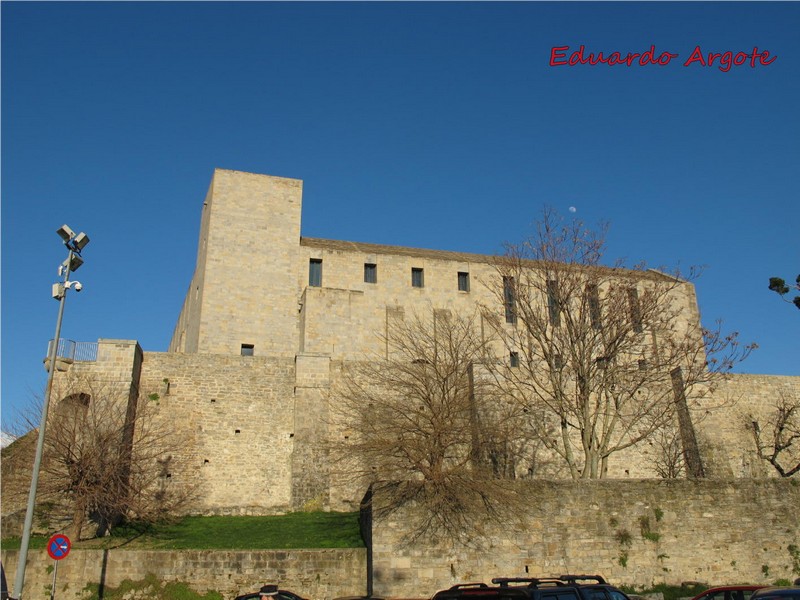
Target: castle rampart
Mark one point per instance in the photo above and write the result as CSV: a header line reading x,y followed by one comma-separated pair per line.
x,y
270,317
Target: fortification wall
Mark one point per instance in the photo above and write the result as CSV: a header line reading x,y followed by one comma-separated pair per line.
x,y
235,417
254,431
347,316
631,532
316,574
725,425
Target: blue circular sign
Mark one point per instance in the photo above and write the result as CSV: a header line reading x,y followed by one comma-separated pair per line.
x,y
58,546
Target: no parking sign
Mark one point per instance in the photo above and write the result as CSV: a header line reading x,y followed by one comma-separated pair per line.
x,y
58,546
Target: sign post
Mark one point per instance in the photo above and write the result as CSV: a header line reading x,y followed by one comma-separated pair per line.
x,y
58,547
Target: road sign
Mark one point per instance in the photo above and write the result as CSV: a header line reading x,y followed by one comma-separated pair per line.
x,y
58,546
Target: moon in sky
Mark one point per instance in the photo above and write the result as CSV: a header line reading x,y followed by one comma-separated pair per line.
x,y
572,209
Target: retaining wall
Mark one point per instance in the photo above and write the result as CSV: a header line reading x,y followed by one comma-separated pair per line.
x,y
314,574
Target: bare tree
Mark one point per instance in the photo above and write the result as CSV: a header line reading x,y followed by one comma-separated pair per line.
x,y
107,457
778,439
668,461
612,355
425,421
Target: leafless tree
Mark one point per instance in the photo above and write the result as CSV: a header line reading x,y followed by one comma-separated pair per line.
x,y
611,355
107,457
426,422
667,459
777,440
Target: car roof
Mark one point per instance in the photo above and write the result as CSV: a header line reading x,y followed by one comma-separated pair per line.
x,y
725,588
518,588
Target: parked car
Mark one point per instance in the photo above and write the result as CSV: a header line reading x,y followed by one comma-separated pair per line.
x,y
789,592
729,592
282,595
565,587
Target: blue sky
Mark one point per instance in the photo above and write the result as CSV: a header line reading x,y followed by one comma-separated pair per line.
x,y
437,125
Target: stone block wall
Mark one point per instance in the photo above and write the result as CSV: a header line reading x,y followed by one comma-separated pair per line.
x,y
347,316
631,532
244,288
314,574
254,431
235,418
724,425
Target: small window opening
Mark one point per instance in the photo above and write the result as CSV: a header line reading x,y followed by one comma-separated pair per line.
x,y
463,281
509,300
636,310
248,349
417,277
238,431
315,272
552,302
370,273
514,359
593,297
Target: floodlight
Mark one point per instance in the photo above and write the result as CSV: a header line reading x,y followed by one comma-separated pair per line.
x,y
80,241
65,232
74,262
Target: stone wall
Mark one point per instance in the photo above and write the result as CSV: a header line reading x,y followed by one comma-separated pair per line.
x,y
314,574
631,532
725,425
244,287
235,419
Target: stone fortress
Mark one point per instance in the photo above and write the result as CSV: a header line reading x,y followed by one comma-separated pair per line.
x,y
268,320
268,316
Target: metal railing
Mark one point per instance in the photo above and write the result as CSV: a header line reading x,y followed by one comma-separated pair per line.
x,y
76,351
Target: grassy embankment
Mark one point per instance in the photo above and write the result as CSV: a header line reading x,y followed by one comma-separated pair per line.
x,y
294,530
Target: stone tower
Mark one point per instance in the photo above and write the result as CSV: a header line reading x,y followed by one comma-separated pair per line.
x,y
243,295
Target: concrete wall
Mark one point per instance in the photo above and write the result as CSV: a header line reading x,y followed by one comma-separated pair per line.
x,y
314,574
732,531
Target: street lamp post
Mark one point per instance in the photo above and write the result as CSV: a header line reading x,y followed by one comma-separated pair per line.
x,y
75,244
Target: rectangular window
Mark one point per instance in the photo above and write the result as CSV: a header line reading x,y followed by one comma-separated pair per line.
x,y
552,302
315,272
370,273
514,358
463,282
417,277
636,310
248,349
593,300
509,300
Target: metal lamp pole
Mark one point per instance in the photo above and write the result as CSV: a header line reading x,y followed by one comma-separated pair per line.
x,y
75,244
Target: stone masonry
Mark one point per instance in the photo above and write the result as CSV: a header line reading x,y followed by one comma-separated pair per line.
x,y
270,317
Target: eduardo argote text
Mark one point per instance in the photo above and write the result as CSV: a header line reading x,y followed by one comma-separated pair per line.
x,y
561,56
